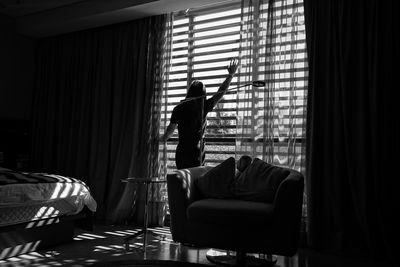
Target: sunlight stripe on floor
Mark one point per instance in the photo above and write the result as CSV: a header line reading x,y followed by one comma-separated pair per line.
x,y
114,233
94,236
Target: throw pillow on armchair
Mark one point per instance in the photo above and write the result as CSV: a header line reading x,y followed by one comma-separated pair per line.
x,y
242,164
259,181
218,182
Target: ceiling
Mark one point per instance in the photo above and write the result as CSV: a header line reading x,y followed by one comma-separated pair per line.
x,y
19,8
39,18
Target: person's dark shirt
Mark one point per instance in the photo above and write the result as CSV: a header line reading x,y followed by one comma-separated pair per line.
x,y
188,116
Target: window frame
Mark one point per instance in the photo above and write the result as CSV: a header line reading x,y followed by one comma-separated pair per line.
x,y
229,140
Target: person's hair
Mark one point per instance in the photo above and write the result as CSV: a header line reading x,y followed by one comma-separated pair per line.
x,y
196,89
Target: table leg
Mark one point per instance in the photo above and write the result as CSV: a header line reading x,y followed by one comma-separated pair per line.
x,y
146,216
145,232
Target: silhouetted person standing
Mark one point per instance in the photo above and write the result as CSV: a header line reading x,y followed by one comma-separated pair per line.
x,y
190,118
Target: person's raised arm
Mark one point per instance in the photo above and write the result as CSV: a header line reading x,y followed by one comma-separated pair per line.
x,y
232,68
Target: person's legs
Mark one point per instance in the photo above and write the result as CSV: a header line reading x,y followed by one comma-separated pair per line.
x,y
187,157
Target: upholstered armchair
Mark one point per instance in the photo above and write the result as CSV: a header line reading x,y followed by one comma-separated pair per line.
x,y
234,223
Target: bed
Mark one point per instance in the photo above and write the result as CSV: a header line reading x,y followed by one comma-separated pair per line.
x,y
39,210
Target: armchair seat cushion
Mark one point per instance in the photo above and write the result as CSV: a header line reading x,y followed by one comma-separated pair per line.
x,y
232,212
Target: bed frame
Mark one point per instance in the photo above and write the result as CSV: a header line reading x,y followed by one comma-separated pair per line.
x,y
41,234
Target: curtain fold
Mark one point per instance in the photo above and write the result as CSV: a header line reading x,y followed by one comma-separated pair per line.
x,y
164,169
352,127
271,119
166,66
92,111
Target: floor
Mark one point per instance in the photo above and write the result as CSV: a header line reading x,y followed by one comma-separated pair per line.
x,y
105,244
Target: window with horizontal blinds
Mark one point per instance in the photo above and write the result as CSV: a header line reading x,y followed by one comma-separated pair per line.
x,y
204,41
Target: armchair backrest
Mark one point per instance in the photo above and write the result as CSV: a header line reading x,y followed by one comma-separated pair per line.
x,y
287,208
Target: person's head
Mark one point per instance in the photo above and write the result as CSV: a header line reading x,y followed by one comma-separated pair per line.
x,y
196,89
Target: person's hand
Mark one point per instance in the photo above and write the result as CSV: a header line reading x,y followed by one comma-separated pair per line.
x,y
163,169
233,66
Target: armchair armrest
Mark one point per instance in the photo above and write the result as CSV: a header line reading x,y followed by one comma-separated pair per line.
x,y
288,205
182,192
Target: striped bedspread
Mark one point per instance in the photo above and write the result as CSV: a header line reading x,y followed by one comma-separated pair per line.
x,y
8,177
20,188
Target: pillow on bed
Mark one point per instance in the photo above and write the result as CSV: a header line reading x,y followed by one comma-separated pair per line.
x,y
259,181
217,182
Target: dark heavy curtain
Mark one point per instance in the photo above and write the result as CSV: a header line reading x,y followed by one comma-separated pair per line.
x,y
353,127
92,111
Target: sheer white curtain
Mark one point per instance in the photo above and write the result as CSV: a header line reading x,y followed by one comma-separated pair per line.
x,y
271,119
165,67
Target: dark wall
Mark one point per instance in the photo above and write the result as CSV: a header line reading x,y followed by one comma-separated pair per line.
x,y
16,87
16,71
